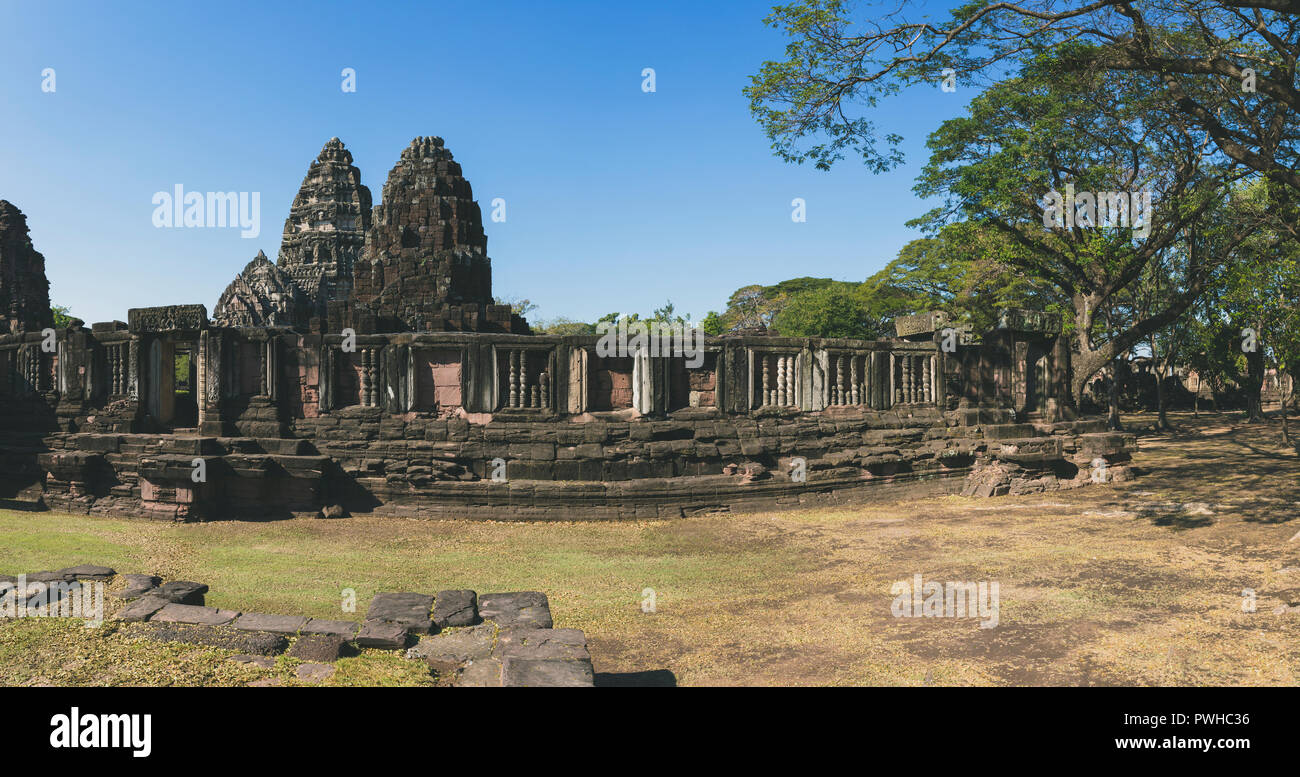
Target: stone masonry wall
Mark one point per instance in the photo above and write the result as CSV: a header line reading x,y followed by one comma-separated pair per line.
x,y
521,427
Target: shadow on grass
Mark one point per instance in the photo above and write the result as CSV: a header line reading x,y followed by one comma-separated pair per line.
x,y
655,678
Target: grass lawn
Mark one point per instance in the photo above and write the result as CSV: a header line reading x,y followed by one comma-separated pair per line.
x,y
1133,583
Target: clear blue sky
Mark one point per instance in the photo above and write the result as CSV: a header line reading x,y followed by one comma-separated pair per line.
x,y
616,199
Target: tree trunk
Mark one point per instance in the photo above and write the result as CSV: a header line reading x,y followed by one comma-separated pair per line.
x,y
1254,386
1162,418
1112,418
1286,432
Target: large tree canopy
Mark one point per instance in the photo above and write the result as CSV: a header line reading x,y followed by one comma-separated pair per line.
x,y
1047,131
1229,66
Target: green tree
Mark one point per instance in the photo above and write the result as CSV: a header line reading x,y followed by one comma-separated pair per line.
x,y
1046,130
835,310
62,316
1227,66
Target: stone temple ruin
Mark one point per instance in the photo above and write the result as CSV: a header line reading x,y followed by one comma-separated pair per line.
x,y
368,370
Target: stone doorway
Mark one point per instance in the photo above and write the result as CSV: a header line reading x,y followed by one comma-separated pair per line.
x,y
173,383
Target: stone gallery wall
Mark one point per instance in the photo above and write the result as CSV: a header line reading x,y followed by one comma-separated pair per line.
x,y
526,427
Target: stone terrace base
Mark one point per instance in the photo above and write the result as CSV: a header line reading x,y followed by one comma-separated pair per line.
x,y
494,640
565,470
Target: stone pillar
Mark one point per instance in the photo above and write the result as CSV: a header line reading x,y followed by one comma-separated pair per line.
x,y
643,394
273,368
577,399
819,380
133,368
325,398
394,397
203,377
892,362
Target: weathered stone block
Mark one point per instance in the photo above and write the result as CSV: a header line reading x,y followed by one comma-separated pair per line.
x,y
411,610
455,608
138,585
345,629
143,608
317,647
542,644
276,624
546,673
183,592
529,609
383,635
187,613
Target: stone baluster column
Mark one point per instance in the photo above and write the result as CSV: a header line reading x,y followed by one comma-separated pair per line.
x,y
367,377
895,391
523,378
843,387
767,394
513,357
262,367
930,378
780,381
855,382
916,379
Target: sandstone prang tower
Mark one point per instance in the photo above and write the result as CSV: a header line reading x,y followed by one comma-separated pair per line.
x,y
416,262
24,290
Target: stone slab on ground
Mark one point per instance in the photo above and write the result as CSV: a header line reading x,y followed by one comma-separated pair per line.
x,y
529,609
409,609
345,629
276,624
542,644
484,673
455,608
43,577
189,613
87,572
546,673
264,662
455,647
138,585
253,643
317,648
183,592
314,673
143,608
382,634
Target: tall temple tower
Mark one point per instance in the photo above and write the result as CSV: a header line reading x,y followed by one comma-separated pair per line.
x,y
326,228
425,264
24,289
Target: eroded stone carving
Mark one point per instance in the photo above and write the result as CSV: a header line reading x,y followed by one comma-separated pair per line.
x,y
262,295
24,289
326,228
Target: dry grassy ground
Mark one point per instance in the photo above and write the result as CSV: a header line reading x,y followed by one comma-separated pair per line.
x,y
1132,584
